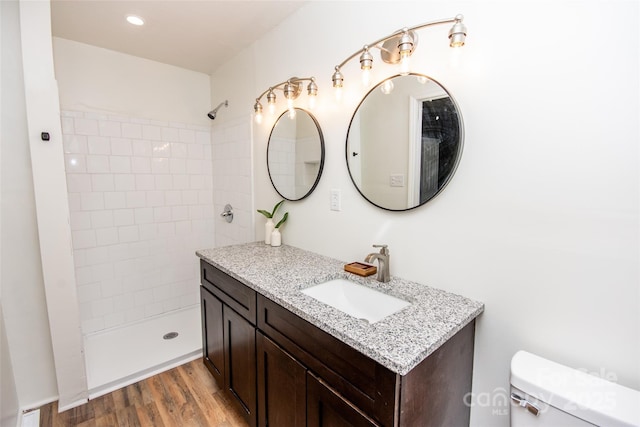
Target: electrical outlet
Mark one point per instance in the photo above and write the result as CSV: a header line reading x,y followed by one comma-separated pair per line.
x,y
396,180
334,200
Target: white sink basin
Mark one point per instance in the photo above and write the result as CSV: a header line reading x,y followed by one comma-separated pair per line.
x,y
356,300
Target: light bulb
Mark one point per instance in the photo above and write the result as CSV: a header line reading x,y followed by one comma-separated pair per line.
x,y
366,77
338,94
272,108
292,113
312,102
405,63
290,104
258,118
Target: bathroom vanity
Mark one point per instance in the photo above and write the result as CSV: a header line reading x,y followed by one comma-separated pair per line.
x,y
285,359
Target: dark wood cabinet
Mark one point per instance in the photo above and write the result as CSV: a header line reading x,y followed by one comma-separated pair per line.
x,y
212,335
282,386
283,371
240,362
326,408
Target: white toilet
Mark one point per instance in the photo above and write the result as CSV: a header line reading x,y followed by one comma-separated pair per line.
x,y
547,394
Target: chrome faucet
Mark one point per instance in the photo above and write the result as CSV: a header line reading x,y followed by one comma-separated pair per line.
x,y
383,262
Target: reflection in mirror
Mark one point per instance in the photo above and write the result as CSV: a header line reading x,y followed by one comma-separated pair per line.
x,y
404,142
295,154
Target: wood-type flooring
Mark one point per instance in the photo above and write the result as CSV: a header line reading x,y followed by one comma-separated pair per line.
x,y
181,397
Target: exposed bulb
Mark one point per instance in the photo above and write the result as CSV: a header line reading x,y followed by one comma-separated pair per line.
x,y
387,87
272,108
258,118
292,113
366,77
339,94
312,102
405,63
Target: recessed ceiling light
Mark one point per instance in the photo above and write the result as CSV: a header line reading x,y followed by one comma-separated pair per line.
x,y
135,20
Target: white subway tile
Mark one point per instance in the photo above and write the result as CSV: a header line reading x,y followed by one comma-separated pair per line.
x,y
75,204
80,220
141,165
124,182
195,151
190,197
148,231
195,212
138,249
179,213
123,302
82,239
136,199
69,113
170,134
180,181
161,149
143,215
177,166
141,298
164,182
128,234
205,197
194,166
98,255
123,217
84,126
166,229
196,182
142,148
114,319
98,145
115,200
155,198
78,183
151,132
172,198
74,144
109,128
207,151
89,292
162,214
101,219
91,201
102,307
102,272
145,182
132,130
95,115
160,165
75,163
203,138
98,164
84,275
118,118
107,236
92,325
102,182
183,227
153,309
178,150
121,147
133,315
188,136
119,164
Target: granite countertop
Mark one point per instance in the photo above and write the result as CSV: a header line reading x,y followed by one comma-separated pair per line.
x,y
399,342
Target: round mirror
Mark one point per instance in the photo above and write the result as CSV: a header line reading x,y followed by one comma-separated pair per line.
x,y
295,154
404,142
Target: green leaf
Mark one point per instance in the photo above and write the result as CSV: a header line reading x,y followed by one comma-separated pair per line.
x,y
265,213
282,221
275,208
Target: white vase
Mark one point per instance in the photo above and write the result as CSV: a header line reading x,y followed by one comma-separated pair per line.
x,y
268,229
276,237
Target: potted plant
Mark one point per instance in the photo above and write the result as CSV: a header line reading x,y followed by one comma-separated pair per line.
x,y
268,226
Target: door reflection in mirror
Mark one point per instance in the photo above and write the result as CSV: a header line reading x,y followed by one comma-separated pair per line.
x,y
403,146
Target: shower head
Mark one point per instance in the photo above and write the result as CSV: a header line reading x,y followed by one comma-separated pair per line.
x,y
212,114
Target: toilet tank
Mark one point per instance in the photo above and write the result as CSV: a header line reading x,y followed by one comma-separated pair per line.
x,y
566,397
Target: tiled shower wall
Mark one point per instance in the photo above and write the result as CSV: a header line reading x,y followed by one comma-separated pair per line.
x,y
141,202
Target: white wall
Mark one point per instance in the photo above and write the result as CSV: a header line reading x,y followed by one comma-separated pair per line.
x,y
541,220
23,296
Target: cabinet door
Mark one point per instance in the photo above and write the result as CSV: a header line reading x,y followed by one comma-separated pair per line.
x,y
240,362
212,335
282,384
326,408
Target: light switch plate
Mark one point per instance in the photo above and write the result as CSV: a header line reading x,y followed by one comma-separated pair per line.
x,y
334,200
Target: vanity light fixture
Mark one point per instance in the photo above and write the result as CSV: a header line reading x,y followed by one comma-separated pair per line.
x,y
292,88
398,48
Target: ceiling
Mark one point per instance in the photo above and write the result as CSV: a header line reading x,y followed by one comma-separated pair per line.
x,y
198,35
